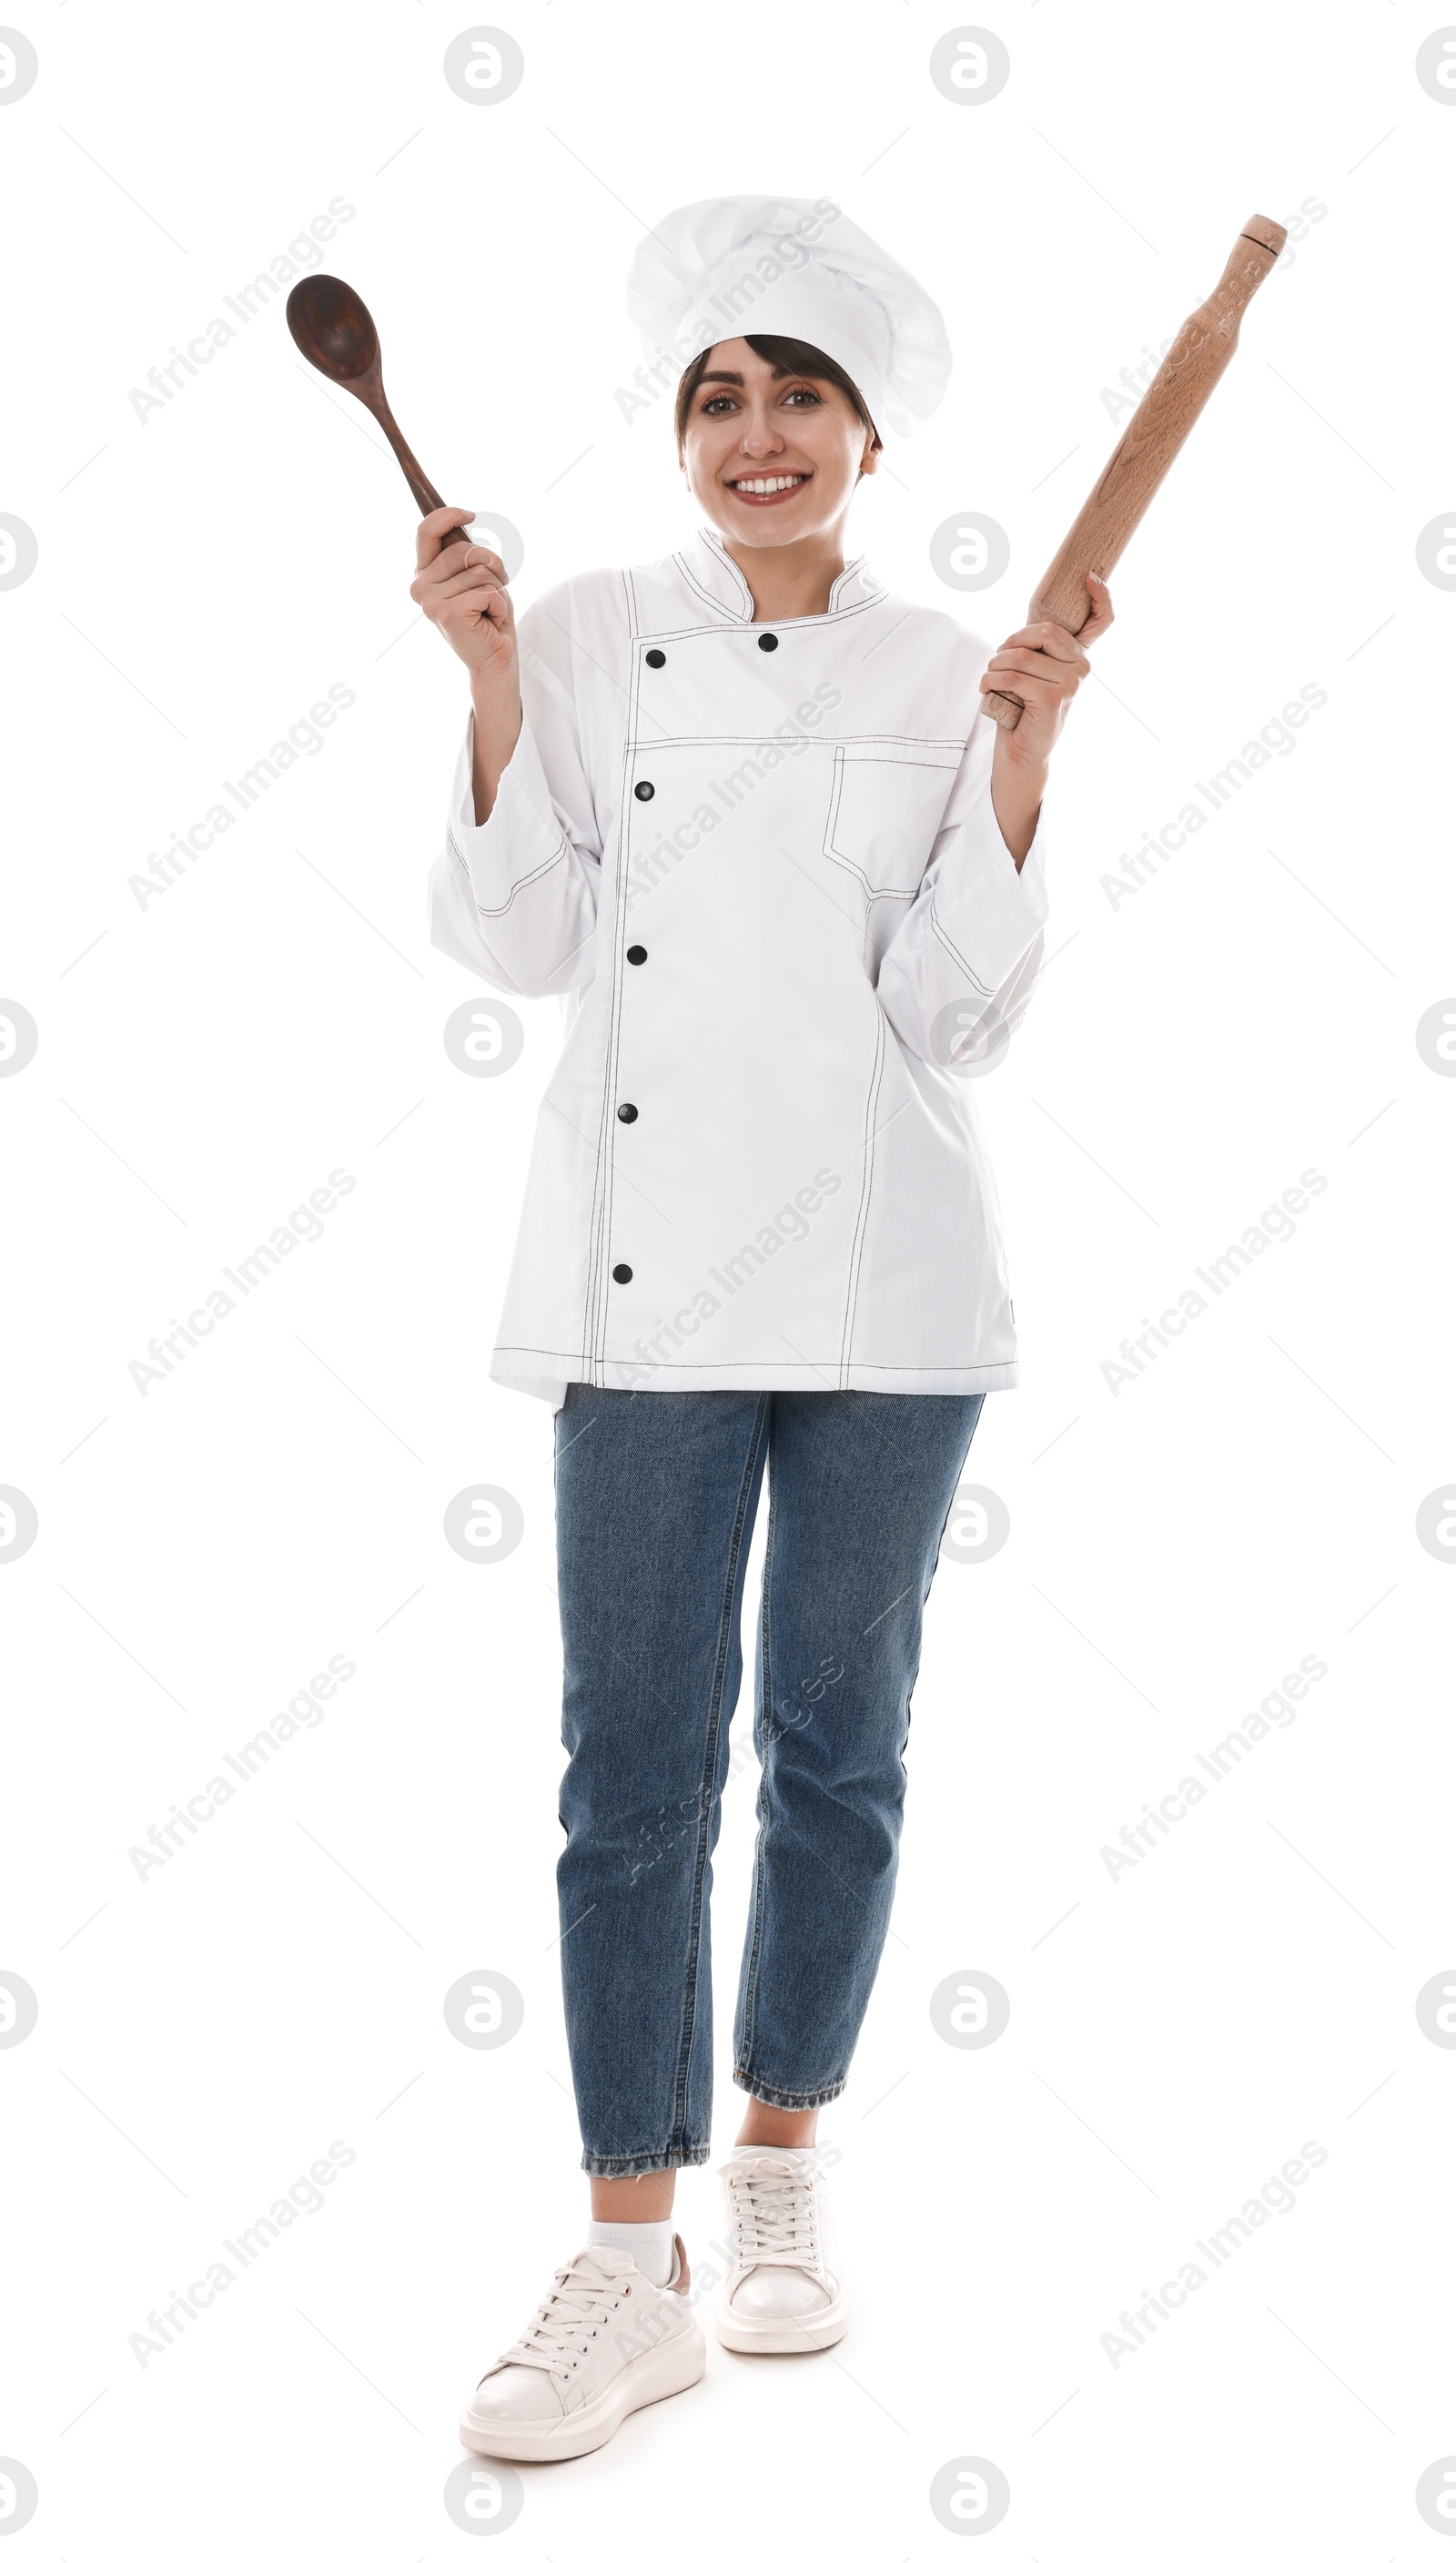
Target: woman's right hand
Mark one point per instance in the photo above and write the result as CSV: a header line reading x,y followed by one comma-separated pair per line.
x,y
461,589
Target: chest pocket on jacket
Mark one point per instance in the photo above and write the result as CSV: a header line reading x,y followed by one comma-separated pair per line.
x,y
885,806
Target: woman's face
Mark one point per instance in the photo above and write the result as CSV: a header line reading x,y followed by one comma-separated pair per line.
x,y
770,457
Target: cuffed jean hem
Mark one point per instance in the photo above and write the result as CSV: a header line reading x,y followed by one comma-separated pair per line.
x,y
628,2166
786,2099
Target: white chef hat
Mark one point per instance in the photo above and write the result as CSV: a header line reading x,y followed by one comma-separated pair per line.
x,y
792,267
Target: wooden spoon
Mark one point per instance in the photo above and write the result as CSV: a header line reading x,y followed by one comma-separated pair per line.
x,y
332,328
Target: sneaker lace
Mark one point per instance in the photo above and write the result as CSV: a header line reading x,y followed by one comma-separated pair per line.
x,y
569,2318
773,2212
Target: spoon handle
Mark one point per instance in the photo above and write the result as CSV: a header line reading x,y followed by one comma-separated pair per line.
x,y
423,492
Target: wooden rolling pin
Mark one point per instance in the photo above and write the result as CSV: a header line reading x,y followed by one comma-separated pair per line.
x,y
1148,442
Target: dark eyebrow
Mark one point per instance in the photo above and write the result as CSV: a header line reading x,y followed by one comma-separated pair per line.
x,y
780,374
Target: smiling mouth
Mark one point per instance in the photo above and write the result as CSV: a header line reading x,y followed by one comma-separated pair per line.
x,y
768,488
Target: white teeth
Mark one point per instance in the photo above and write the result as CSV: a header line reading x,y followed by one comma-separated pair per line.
x,y
769,489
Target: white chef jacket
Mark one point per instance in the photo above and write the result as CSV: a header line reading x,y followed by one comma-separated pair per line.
x,y
761,863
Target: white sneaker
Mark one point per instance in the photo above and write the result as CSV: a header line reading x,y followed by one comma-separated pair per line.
x,y
784,2290
605,2341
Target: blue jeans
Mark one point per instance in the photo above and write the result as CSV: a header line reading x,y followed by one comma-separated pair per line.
x,y
655,1501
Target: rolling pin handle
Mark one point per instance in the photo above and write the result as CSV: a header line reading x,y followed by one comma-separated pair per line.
x,y
1004,709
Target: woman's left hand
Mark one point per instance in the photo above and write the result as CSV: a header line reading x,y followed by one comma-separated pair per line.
x,y
1045,665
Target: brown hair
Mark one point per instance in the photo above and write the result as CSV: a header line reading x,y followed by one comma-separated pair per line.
x,y
787,356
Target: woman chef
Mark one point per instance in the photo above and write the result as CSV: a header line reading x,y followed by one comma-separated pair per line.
x,y
737,807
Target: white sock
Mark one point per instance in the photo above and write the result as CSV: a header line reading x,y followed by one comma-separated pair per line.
x,y
650,2245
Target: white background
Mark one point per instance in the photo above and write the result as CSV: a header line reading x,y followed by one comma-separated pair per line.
x,y
206,1060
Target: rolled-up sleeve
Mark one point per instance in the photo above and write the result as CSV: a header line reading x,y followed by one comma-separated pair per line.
x,y
517,899
965,959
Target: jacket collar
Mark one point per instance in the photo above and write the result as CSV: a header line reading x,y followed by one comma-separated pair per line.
x,y
715,576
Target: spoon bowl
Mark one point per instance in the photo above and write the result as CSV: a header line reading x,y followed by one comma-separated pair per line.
x,y
332,328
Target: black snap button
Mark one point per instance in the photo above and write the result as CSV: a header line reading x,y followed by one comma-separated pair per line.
x,y
644,791
637,952
768,641
621,1271
657,657
627,1112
